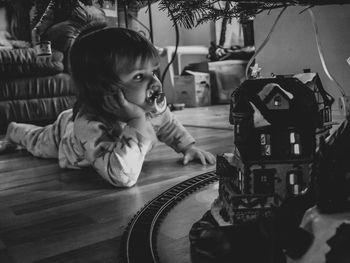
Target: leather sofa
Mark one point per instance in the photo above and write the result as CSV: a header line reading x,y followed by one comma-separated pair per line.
x,y
35,89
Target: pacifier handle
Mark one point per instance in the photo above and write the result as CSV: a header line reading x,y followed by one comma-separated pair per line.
x,y
160,107
158,101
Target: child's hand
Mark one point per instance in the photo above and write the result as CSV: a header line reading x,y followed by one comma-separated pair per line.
x,y
123,109
193,153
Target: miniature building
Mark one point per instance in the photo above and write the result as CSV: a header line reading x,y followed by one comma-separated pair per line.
x,y
247,191
276,125
277,118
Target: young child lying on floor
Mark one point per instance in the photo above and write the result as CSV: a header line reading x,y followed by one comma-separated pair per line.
x,y
120,112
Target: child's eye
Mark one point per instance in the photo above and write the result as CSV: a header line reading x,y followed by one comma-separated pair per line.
x,y
138,77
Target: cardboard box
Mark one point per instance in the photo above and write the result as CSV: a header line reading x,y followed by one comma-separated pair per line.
x,y
193,89
225,77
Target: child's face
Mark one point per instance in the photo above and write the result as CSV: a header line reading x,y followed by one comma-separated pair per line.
x,y
141,82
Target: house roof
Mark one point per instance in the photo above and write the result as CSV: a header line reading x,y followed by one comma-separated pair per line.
x,y
271,89
303,105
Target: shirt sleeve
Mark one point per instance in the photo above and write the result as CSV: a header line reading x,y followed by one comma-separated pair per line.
x,y
119,161
47,19
170,131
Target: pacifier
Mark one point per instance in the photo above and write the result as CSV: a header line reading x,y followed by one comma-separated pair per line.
x,y
158,101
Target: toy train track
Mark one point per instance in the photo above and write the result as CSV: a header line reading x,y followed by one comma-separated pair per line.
x,y
139,240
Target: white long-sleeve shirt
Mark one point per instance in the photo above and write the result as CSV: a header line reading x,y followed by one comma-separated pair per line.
x,y
116,150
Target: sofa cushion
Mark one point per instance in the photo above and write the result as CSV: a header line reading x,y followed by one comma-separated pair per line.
x,y
36,111
16,63
36,87
35,100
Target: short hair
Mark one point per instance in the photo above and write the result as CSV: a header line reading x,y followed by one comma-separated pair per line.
x,y
97,58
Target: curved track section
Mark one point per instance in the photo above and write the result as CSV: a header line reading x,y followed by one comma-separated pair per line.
x,y
139,240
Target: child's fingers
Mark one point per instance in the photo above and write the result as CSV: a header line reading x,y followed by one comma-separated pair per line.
x,y
202,158
121,98
210,158
110,104
115,102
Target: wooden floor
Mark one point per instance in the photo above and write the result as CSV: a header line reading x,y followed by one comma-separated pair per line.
x,y
48,214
